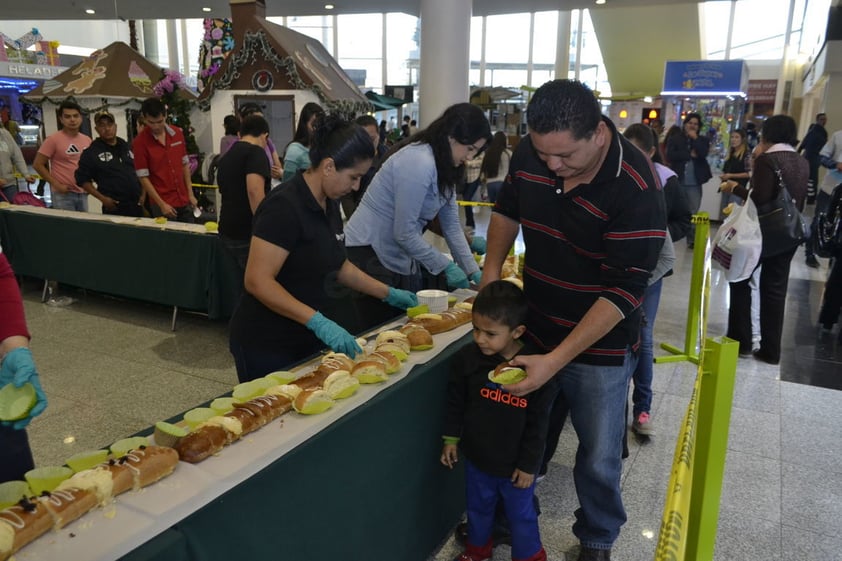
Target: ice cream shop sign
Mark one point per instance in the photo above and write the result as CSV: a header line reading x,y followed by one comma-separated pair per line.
x,y
37,71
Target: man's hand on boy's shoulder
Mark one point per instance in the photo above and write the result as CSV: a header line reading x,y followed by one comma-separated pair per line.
x,y
521,479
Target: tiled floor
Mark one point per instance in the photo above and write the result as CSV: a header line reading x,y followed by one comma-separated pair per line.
x,y
113,367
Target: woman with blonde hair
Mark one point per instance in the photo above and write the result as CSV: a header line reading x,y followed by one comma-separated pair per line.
x,y
737,167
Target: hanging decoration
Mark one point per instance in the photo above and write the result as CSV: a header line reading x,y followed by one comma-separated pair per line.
x,y
256,46
178,105
262,81
15,50
216,45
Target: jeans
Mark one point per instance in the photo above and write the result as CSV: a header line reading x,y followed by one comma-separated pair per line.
x,y
482,492
70,201
822,202
642,376
9,191
694,203
597,398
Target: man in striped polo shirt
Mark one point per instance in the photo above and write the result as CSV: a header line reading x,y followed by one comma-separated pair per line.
x,y
593,221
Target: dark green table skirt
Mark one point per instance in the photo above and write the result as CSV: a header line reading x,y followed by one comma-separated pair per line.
x,y
189,270
368,488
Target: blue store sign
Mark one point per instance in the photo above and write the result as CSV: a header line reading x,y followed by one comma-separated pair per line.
x,y
706,77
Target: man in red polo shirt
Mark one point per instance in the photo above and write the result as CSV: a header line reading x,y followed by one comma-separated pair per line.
x,y
160,158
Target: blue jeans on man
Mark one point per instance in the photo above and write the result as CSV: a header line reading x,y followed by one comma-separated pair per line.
x,y
70,201
597,398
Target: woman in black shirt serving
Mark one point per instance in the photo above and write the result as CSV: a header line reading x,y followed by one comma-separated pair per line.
x,y
297,264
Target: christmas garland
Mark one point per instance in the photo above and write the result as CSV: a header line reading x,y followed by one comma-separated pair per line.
x,y
257,43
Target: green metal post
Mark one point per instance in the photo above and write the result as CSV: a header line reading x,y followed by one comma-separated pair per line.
x,y
694,303
714,417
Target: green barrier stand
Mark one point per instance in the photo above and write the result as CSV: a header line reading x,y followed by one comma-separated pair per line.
x,y
691,509
698,280
714,416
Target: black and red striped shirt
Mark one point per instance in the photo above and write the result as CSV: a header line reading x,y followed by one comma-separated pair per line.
x,y
599,240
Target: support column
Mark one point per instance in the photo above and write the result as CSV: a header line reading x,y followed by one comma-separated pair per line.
x,y
562,48
578,66
786,67
530,66
151,47
482,63
384,52
445,57
172,44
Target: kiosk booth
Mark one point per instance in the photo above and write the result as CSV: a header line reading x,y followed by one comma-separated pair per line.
x,y
715,89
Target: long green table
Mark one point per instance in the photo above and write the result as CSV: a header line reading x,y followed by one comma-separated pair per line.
x,y
367,488
188,270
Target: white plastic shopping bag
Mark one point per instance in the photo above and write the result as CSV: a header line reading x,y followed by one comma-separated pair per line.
x,y
737,244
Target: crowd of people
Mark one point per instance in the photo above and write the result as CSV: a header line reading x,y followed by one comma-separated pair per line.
x,y
332,229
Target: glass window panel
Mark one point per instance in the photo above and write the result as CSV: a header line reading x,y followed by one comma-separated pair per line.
x,y
593,68
507,78
715,29
403,52
317,27
372,66
759,29
476,39
507,38
360,36
473,77
545,37
815,25
771,48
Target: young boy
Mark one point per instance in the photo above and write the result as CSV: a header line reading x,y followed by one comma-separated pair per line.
x,y
501,435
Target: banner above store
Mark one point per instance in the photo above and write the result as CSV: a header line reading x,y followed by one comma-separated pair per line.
x,y
706,78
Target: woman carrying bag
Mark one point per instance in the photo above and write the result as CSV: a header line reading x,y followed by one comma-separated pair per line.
x,y
777,166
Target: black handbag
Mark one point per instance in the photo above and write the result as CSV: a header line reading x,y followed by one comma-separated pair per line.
x,y
828,236
781,224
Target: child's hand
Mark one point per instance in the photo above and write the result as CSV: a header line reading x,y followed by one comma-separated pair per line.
x,y
522,480
449,455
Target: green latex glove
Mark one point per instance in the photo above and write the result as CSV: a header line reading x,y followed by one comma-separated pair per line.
x,y
333,335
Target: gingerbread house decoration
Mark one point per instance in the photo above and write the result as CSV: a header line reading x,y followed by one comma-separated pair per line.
x,y
116,77
270,61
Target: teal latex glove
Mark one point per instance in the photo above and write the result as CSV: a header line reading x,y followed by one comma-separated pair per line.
x,y
476,277
18,368
456,278
402,299
333,335
478,245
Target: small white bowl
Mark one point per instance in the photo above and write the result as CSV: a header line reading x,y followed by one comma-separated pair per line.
x,y
436,300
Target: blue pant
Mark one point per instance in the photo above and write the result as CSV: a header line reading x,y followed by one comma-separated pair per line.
x,y
9,191
597,398
642,376
694,203
70,201
482,491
